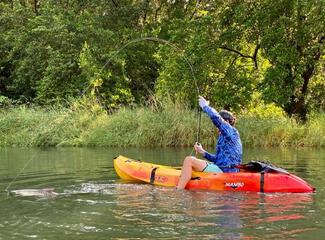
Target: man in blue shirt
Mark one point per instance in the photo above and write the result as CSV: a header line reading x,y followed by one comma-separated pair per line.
x,y
228,150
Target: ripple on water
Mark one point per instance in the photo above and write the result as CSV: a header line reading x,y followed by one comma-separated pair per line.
x,y
108,208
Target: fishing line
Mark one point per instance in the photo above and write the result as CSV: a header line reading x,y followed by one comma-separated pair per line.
x,y
159,40
154,39
26,164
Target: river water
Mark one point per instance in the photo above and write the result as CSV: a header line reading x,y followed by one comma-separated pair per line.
x,y
94,204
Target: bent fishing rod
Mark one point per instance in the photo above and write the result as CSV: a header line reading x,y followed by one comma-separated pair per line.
x,y
159,40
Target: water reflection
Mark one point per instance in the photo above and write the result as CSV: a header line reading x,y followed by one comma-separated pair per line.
x,y
223,215
94,204
120,209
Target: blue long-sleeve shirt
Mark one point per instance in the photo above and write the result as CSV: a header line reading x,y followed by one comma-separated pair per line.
x,y
229,148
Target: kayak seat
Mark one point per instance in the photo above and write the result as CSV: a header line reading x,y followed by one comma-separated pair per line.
x,y
260,166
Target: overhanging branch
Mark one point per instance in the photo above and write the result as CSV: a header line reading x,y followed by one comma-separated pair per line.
x,y
254,57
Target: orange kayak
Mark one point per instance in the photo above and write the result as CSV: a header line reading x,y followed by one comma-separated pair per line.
x,y
248,179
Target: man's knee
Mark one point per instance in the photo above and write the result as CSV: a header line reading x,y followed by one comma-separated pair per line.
x,y
189,160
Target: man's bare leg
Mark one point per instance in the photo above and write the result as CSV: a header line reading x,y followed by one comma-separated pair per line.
x,y
190,164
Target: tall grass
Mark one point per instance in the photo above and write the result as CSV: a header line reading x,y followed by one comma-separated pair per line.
x,y
168,125
282,132
268,126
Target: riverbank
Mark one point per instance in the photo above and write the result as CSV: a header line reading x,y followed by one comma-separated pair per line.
x,y
171,125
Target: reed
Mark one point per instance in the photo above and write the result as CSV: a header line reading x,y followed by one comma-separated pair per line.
x,y
280,131
167,125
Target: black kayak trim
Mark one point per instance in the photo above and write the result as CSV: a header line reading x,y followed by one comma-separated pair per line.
x,y
262,181
153,174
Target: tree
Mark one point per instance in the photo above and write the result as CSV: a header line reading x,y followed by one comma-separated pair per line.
x,y
290,36
219,74
225,50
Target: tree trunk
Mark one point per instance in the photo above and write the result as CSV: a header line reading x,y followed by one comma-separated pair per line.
x,y
297,105
3,88
36,7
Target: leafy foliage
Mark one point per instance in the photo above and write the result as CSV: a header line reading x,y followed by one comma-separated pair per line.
x,y
52,51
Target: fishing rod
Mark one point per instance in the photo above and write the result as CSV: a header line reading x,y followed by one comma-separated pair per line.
x,y
154,39
159,40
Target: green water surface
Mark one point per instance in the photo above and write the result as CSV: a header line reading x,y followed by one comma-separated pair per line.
x,y
94,204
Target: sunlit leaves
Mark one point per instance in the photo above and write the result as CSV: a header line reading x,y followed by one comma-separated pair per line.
x,y
224,50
